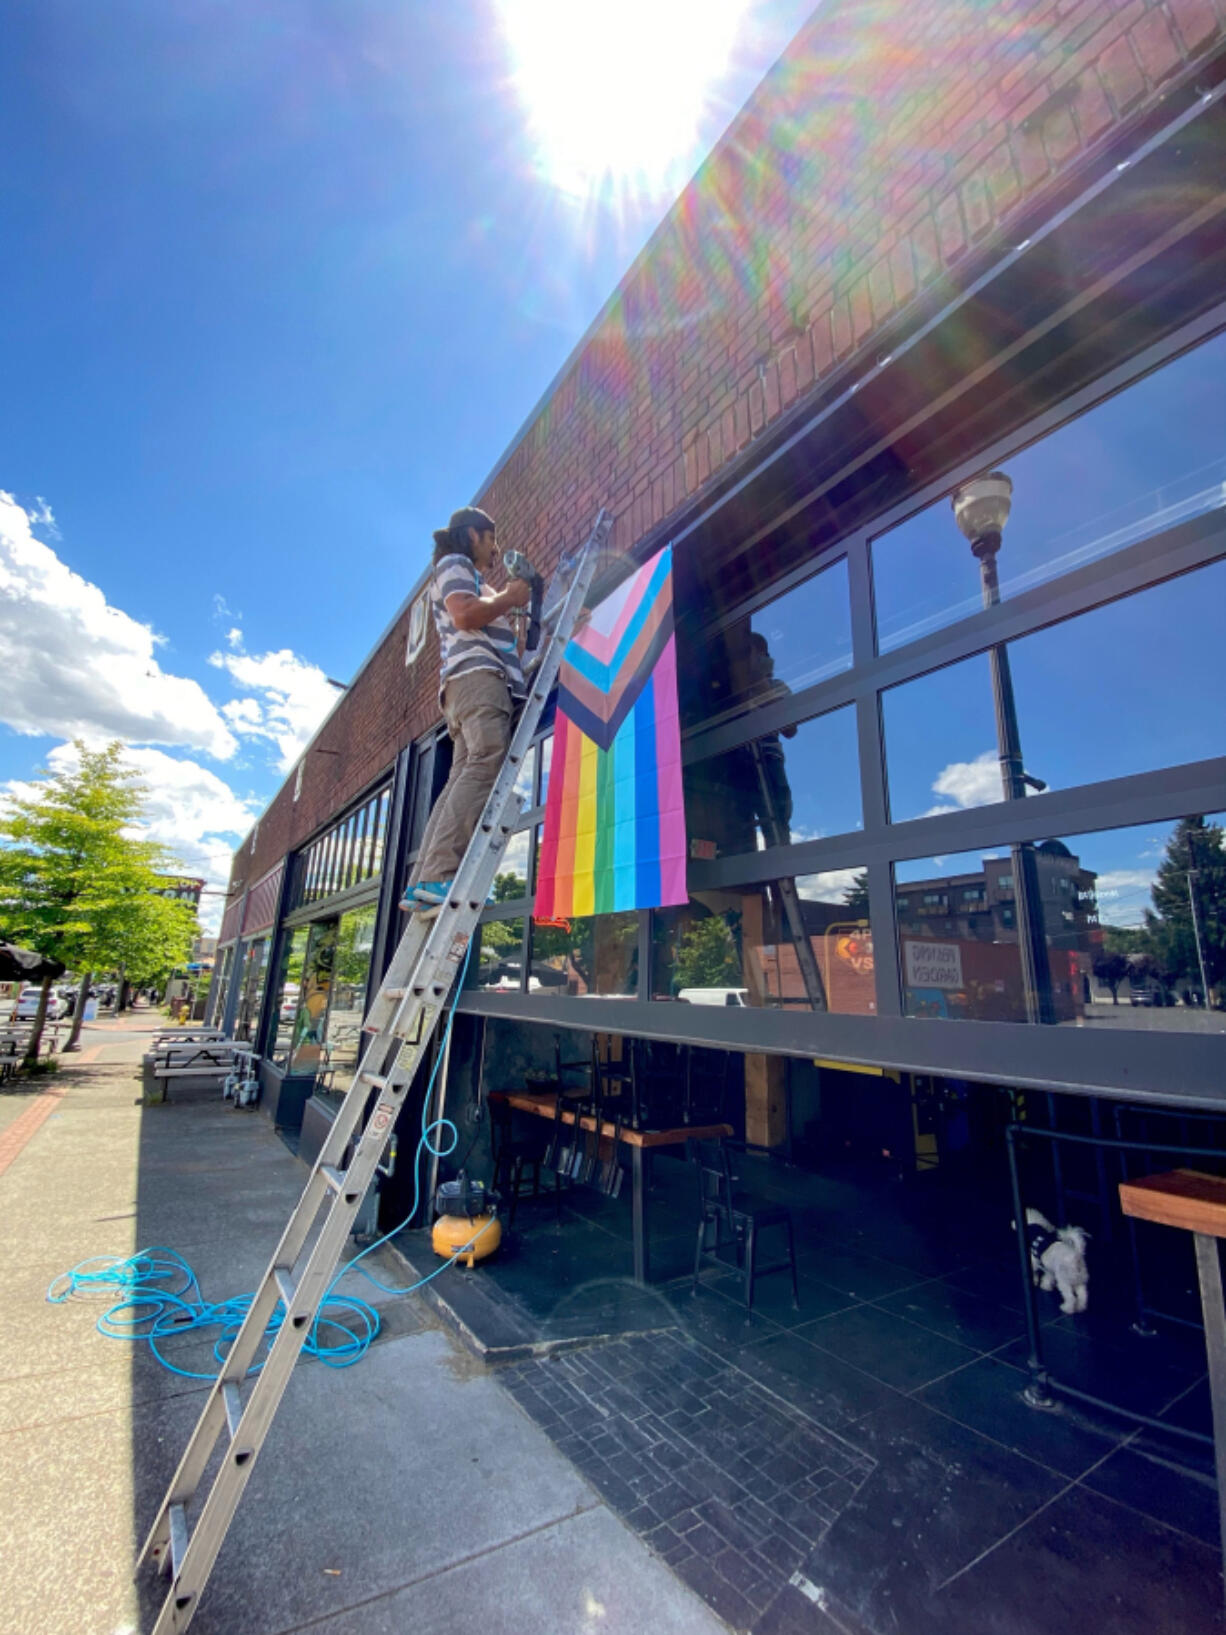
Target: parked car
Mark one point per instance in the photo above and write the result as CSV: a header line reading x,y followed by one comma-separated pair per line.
x,y
27,1005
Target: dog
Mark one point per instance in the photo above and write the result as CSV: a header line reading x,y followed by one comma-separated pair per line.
x,y
1058,1260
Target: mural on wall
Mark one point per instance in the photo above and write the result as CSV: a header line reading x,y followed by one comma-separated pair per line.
x,y
614,818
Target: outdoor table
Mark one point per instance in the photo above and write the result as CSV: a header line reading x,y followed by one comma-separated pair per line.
x,y
641,1143
188,1036
1196,1202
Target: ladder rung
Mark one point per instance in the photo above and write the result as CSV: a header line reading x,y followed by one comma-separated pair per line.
x,y
335,1177
393,993
234,1405
379,1080
283,1277
178,1538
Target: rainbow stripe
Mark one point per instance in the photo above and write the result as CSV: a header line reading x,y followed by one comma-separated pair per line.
x,y
614,815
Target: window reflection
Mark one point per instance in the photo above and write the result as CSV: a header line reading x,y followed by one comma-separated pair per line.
x,y
785,945
289,986
355,935
940,741
1144,460
1130,925
222,986
593,957
497,964
511,881
796,784
801,638
307,1043
255,970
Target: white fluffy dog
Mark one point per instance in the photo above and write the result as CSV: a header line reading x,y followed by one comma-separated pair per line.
x,y
1058,1260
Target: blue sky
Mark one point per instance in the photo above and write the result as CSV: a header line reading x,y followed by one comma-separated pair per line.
x,y
281,280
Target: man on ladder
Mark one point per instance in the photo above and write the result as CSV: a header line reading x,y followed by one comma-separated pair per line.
x,y
481,680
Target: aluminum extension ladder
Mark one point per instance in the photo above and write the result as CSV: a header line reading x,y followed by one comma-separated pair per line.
x,y
403,1018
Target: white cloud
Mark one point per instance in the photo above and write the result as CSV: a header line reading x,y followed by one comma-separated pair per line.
x,y
967,783
189,810
831,887
294,696
74,666
1124,895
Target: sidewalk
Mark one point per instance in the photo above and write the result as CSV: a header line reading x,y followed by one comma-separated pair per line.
x,y
408,1493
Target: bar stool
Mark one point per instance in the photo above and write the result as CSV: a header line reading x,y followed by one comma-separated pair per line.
x,y
513,1155
735,1219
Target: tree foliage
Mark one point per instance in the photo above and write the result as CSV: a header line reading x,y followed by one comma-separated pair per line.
x,y
74,882
1194,868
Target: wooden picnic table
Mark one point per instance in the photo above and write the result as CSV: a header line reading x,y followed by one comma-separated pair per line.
x,y
642,1143
189,1036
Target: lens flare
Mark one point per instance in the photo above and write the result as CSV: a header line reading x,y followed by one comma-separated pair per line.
x,y
616,96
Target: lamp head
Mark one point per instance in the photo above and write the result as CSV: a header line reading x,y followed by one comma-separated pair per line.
x,y
981,509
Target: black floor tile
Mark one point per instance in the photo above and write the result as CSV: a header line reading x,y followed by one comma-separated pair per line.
x,y
1127,1375
863,1277
968,1318
718,1321
939,1496
824,1387
890,1348
772,1296
987,1397
1085,1565
1161,1488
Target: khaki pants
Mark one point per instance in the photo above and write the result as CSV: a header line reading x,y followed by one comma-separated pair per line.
x,y
477,709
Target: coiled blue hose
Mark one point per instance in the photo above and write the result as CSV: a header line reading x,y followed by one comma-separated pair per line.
x,y
161,1295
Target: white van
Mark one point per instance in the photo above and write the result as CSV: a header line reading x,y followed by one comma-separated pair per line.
x,y
714,996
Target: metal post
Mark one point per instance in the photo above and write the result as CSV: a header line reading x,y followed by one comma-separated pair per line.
x,y
1031,936
1036,1393
1200,952
1209,1271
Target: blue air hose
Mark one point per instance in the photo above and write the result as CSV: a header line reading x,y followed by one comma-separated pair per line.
x,y
161,1296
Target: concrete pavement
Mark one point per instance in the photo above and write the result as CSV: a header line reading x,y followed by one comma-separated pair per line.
x,y
406,1493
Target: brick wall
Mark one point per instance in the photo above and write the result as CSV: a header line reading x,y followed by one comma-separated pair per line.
x,y
892,141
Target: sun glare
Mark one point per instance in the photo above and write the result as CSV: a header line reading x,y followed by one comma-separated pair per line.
x,y
615,95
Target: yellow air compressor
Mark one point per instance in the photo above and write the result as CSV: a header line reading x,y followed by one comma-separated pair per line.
x,y
467,1220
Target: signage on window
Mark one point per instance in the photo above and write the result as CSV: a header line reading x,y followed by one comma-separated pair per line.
x,y
933,964
419,623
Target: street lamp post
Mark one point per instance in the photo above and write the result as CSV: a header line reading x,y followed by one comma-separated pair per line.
x,y
981,509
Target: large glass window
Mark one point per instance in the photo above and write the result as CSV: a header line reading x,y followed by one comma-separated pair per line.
x,y
796,784
799,639
1118,690
589,958
800,944
255,970
221,986
307,1046
355,934
511,881
288,991
497,961
1128,928
1142,461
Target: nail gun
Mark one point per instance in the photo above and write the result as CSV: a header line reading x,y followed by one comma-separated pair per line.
x,y
518,567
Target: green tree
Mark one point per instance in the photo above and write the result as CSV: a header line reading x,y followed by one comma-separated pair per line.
x,y
75,885
1177,938
707,956
855,898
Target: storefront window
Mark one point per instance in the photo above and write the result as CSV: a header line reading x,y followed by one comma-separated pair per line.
x,y
1144,460
1115,691
496,964
289,989
799,639
589,958
1129,925
511,881
787,786
348,853
307,1048
799,944
255,970
221,986
355,934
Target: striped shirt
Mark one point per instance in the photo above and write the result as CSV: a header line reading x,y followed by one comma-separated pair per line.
x,y
494,647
